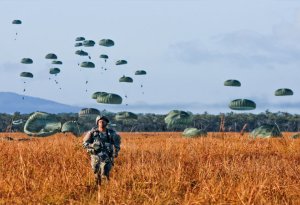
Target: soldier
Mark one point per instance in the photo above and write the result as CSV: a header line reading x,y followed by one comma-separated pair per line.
x,y
103,145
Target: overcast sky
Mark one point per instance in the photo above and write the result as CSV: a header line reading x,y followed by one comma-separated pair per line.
x,y
188,48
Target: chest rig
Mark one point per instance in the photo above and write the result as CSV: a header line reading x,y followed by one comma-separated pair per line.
x,y
102,141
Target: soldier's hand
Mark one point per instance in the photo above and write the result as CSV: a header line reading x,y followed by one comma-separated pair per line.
x,y
115,155
90,151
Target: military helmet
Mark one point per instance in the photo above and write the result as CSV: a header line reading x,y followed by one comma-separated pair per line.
x,y
101,118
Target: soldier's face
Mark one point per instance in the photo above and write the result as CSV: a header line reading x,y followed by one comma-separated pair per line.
x,y
102,123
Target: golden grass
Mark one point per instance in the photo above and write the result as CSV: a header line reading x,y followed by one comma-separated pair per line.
x,y
153,168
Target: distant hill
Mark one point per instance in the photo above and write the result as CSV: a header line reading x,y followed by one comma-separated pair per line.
x,y
12,102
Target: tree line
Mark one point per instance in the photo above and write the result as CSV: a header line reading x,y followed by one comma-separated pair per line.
x,y
149,122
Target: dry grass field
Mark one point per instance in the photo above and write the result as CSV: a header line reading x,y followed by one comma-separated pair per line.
x,y
153,168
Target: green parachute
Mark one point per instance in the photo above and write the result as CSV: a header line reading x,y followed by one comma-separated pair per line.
x,y
233,83
266,131
54,71
242,104
17,21
73,127
96,94
121,62
78,44
80,38
87,64
125,79
88,112
26,61
140,72
295,136
88,43
51,56
57,62
81,53
41,124
109,98
26,74
284,92
178,118
122,116
104,56
194,132
106,42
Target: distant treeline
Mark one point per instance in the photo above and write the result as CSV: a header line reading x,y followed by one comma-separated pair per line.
x,y
233,122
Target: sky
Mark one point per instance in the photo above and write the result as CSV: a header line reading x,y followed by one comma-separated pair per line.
x,y
188,48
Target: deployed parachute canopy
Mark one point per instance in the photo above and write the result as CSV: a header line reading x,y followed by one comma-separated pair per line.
x,y
78,44
51,56
125,79
106,42
266,131
194,132
16,21
41,124
121,62
233,83
88,43
73,127
96,94
176,117
87,64
80,38
81,53
140,72
26,75
88,112
120,116
26,61
242,104
284,92
54,71
109,98
57,62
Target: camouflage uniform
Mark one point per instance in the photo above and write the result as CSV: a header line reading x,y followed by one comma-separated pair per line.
x,y
103,147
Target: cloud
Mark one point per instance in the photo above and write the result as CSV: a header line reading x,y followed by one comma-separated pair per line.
x,y
244,48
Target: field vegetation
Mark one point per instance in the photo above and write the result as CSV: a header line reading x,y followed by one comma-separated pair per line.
x,y
153,168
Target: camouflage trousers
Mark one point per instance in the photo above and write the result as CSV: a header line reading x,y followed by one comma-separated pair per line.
x,y
101,164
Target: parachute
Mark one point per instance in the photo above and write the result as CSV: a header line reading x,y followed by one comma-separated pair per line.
x,y
18,122
73,127
57,62
81,53
17,21
194,132
80,39
106,42
78,44
242,104
125,79
120,116
26,61
178,117
109,98
233,83
87,64
96,94
26,75
88,43
283,92
121,62
295,136
41,124
51,56
54,71
105,57
140,72
88,112
266,131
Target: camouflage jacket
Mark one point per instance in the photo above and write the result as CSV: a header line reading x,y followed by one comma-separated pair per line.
x,y
108,141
